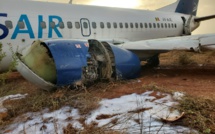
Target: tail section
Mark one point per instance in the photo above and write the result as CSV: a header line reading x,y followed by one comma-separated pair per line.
x,y
187,7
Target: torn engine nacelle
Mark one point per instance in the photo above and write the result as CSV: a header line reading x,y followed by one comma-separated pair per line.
x,y
56,63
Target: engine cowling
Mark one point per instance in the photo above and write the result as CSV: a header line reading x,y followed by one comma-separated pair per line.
x,y
57,63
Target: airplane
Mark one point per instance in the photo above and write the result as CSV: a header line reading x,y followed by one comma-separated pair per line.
x,y
78,44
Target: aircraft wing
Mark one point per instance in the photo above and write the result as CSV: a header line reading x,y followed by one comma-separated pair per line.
x,y
148,48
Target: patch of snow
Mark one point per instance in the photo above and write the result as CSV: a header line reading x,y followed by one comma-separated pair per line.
x,y
178,95
130,114
44,122
146,121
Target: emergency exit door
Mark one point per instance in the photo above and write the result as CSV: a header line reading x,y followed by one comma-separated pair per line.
x,y
85,27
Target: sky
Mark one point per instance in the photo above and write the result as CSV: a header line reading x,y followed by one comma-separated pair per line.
x,y
206,7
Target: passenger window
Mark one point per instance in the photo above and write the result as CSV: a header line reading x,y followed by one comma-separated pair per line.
x,y
172,25
120,25
69,25
165,25
175,25
21,25
43,24
85,25
169,25
77,25
158,25
154,25
52,24
141,25
61,25
136,25
102,25
131,25
108,25
161,25
150,25
94,25
126,25
146,25
9,24
115,25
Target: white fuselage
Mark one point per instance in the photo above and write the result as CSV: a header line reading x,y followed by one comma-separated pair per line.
x,y
28,21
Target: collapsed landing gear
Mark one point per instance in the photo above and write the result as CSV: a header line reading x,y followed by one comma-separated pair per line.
x,y
153,61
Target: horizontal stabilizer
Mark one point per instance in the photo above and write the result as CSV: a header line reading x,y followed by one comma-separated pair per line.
x,y
198,19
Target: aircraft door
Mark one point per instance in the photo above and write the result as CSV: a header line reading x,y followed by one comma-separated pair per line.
x,y
85,27
186,25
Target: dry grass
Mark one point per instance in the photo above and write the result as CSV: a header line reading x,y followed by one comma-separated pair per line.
x,y
38,100
183,58
200,114
53,100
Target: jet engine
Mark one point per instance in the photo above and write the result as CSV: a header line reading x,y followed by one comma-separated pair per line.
x,y
56,63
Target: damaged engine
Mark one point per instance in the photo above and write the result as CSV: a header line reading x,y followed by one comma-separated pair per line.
x,y
57,63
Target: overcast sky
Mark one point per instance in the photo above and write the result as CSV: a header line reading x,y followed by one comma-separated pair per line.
x,y
206,7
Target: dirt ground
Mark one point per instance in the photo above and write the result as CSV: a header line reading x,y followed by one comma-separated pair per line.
x,y
191,81
195,80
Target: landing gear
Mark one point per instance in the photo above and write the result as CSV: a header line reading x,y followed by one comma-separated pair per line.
x,y
153,61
